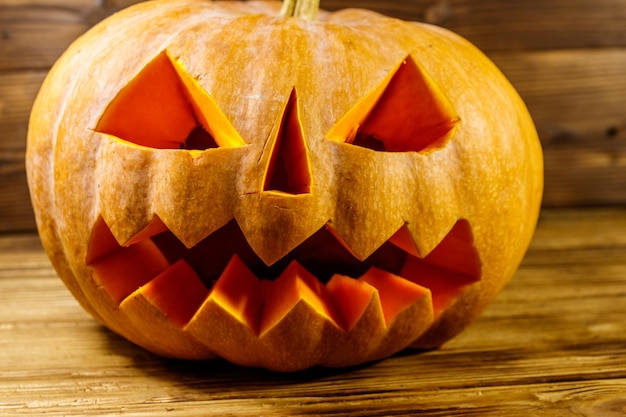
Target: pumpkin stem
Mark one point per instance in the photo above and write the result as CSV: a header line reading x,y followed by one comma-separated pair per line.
x,y
304,9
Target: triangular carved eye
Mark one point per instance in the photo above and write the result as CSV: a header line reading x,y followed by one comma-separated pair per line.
x,y
288,170
164,107
406,112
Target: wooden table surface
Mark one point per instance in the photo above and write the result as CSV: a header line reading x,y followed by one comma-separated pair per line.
x,y
553,344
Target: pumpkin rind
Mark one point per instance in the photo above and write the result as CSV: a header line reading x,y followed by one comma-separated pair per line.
x,y
255,65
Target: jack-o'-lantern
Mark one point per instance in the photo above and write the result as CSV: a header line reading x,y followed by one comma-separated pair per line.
x,y
221,179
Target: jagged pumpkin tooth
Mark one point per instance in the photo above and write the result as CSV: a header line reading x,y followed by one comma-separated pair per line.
x,y
295,284
228,320
383,324
239,292
162,306
101,243
396,293
407,326
403,239
223,333
177,291
407,308
351,298
125,269
358,304
155,227
449,269
297,341
298,316
446,286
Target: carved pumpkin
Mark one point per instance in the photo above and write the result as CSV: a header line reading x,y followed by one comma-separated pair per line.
x,y
217,179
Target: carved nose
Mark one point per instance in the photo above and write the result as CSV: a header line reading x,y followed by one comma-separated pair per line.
x,y
288,170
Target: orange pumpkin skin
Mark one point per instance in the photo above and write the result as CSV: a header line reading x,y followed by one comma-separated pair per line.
x,y
335,144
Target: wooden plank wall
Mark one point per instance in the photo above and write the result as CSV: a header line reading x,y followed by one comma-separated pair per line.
x,y
567,58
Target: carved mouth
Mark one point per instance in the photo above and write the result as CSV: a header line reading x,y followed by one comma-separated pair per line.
x,y
322,270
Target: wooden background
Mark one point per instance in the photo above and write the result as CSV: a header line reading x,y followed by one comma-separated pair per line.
x,y
552,345
567,58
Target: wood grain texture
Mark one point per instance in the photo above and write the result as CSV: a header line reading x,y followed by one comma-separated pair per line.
x,y
17,92
577,98
567,58
516,24
553,344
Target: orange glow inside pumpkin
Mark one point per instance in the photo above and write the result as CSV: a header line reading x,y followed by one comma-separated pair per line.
x,y
163,107
406,112
289,170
